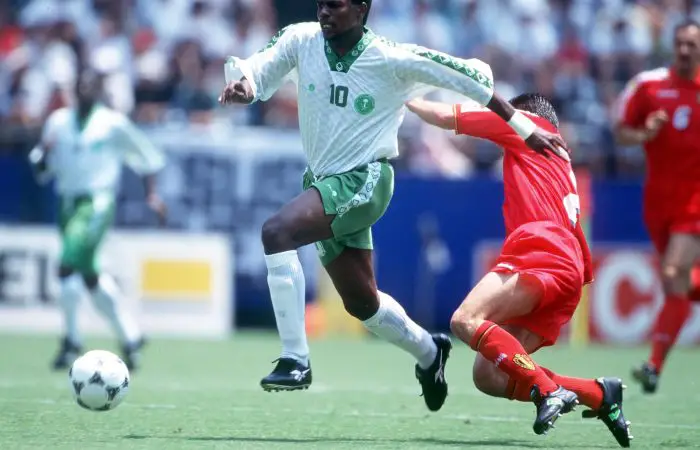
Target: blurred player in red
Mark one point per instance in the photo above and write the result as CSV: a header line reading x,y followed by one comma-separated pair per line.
x,y
535,286
660,109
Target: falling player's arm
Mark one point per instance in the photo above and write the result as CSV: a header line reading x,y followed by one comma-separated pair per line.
x,y
472,78
264,72
441,115
476,122
635,124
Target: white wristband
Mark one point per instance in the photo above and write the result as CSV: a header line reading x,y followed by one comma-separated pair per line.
x,y
522,125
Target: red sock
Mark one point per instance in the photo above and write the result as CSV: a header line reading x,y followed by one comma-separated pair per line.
x,y
589,392
501,348
669,324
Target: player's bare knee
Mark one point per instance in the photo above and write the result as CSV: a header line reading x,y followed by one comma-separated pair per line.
x,y
464,325
276,237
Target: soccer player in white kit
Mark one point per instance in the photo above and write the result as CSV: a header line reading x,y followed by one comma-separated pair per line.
x,y
352,86
84,149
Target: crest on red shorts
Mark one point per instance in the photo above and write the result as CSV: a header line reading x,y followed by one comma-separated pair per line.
x,y
524,361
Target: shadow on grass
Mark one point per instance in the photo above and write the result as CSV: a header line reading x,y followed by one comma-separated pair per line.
x,y
350,440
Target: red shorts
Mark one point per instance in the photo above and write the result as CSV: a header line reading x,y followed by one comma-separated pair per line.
x,y
551,255
671,208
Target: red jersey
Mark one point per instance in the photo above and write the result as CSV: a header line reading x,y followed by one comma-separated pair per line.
x,y
674,155
536,188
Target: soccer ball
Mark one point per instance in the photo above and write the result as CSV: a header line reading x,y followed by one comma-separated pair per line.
x,y
99,380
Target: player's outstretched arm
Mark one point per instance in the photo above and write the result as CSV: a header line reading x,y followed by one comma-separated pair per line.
x,y
438,114
237,92
259,77
474,79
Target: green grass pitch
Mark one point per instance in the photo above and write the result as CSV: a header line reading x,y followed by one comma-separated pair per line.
x,y
205,395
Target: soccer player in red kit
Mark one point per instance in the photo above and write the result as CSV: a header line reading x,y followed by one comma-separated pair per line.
x,y
660,110
535,286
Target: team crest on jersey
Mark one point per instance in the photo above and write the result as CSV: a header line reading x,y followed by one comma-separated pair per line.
x,y
364,104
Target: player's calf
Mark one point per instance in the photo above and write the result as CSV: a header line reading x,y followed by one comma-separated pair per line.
x,y
69,300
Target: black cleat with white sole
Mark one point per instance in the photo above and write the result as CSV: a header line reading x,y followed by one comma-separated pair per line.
x,y
647,376
551,407
611,411
288,375
432,379
67,354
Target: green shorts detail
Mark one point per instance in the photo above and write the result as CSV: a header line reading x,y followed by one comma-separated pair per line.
x,y
84,221
358,199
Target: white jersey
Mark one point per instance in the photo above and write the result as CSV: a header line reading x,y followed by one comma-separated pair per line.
x,y
351,107
88,159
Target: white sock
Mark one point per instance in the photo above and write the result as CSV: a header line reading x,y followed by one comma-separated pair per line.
x,y
69,298
107,298
392,324
285,278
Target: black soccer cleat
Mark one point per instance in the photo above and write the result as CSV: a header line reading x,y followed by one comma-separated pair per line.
x,y
288,375
131,353
432,379
611,410
551,407
647,376
67,354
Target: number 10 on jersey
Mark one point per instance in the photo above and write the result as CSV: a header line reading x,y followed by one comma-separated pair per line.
x,y
339,96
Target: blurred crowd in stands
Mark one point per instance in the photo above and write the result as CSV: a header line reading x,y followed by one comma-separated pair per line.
x,y
164,63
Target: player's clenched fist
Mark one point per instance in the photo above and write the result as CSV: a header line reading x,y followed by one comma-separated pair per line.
x,y
237,92
654,122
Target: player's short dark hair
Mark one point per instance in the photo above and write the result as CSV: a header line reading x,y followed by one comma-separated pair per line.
x,y
688,23
537,104
369,6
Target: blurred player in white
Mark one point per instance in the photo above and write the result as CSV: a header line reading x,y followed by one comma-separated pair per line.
x,y
84,148
352,86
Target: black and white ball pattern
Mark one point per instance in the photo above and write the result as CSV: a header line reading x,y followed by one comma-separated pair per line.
x,y
99,380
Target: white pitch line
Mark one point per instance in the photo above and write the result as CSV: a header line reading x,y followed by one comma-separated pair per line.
x,y
353,413
317,388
